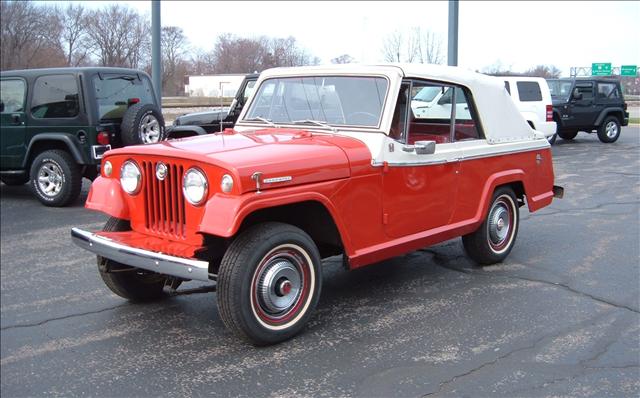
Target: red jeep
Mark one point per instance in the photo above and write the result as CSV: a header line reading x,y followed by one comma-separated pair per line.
x,y
323,161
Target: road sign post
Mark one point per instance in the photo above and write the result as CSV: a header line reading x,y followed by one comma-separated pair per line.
x,y
601,69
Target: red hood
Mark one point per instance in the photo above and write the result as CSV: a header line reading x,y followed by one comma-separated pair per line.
x,y
299,154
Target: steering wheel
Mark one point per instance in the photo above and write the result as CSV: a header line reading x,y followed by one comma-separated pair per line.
x,y
364,118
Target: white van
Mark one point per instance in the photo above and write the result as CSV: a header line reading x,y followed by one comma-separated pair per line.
x,y
533,98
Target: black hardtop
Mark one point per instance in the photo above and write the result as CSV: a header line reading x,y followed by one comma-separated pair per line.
x,y
589,79
84,70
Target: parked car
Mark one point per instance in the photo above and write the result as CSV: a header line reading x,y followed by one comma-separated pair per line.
x,y
589,104
322,161
216,120
533,99
57,124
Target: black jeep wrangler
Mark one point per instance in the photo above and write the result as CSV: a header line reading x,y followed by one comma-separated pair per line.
x,y
57,123
588,104
200,123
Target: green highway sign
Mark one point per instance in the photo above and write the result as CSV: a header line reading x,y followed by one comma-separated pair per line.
x,y
601,69
628,70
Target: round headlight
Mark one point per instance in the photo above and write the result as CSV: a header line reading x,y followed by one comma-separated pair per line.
x,y
194,186
130,177
226,184
107,168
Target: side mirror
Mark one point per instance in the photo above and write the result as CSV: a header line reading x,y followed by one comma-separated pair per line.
x,y
1,106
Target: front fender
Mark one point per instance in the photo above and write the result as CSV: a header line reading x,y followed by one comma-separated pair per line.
x,y
224,215
106,196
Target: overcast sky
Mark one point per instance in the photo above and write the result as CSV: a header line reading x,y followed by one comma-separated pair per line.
x,y
516,34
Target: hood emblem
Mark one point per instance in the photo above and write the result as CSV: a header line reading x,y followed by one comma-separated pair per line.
x,y
161,171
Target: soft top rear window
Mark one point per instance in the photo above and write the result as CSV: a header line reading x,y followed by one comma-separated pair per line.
x,y
115,92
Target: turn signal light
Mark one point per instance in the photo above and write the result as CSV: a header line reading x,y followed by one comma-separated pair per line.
x,y
103,138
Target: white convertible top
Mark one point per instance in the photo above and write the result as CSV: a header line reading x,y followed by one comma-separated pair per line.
x,y
500,119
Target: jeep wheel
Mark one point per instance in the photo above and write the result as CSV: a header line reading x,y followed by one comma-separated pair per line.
x,y
552,139
142,124
492,242
567,135
127,282
55,178
14,180
609,130
269,283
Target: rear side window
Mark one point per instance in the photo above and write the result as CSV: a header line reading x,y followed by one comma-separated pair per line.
x,y
608,91
529,91
508,87
55,96
12,95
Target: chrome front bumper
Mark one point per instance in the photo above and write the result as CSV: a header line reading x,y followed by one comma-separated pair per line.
x,y
139,258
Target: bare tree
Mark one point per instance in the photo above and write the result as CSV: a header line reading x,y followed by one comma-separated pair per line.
x,y
392,47
28,36
546,71
118,36
343,59
173,43
429,46
74,34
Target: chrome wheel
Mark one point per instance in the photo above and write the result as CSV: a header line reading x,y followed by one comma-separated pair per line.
x,y
500,223
611,129
149,130
280,286
50,179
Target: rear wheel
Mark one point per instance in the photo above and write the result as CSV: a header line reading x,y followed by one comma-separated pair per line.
x,y
492,242
269,283
127,282
609,130
568,135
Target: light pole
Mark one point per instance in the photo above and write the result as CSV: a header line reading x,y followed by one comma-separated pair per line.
x,y
452,38
156,56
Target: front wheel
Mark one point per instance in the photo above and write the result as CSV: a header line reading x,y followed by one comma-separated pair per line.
x,y
269,283
552,139
609,130
130,283
568,135
55,178
492,242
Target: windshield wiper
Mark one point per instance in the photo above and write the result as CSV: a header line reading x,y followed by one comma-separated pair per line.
x,y
316,122
261,119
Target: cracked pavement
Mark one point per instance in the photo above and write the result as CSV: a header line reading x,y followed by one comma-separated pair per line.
x,y
559,317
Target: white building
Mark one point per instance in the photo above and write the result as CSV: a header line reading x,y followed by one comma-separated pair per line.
x,y
212,85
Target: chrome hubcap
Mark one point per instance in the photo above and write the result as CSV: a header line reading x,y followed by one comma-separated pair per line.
x,y
611,129
50,179
149,130
279,287
499,223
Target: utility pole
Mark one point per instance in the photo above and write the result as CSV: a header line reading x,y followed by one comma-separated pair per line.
x,y
156,56
452,38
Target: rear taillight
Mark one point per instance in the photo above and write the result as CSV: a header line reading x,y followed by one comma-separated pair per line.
x,y
103,138
132,101
549,113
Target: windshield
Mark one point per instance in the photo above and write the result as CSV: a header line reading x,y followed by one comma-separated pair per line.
x,y
115,92
335,100
560,89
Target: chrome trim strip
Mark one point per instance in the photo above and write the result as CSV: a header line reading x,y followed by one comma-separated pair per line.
x,y
139,258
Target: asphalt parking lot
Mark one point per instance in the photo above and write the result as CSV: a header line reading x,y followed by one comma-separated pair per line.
x,y
559,317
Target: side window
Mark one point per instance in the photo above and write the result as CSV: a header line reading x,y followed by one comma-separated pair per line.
x,y
12,95
430,114
465,125
529,91
248,89
399,120
508,87
55,96
608,91
586,89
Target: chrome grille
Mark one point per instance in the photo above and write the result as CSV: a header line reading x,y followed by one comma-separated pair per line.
x,y
164,203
